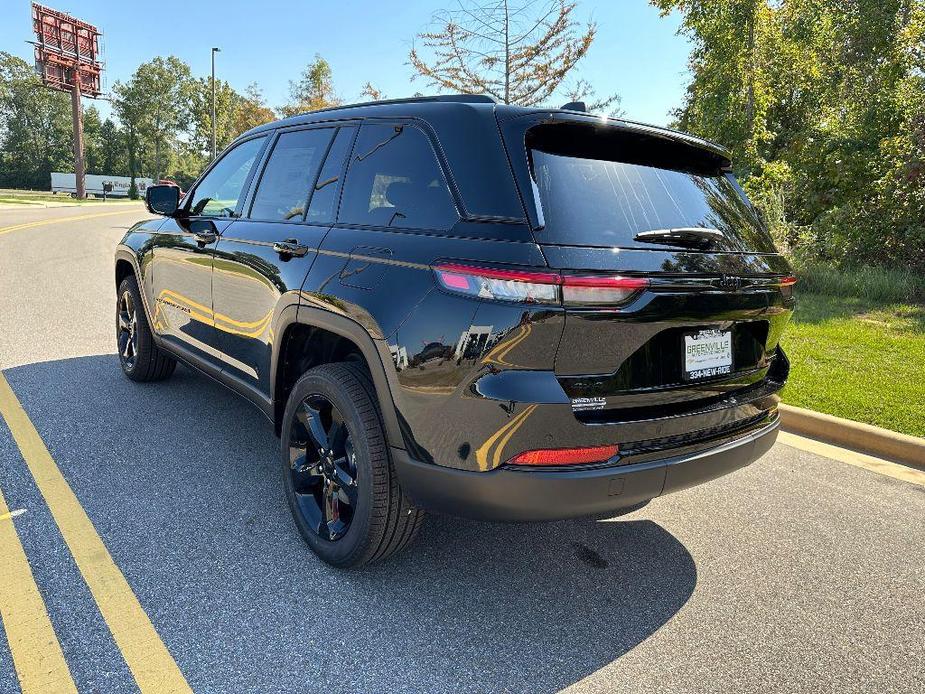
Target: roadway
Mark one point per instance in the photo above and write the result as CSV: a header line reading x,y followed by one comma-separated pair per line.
x,y
153,548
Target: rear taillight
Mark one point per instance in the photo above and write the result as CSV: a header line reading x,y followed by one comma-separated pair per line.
x,y
786,285
539,287
565,456
590,289
504,285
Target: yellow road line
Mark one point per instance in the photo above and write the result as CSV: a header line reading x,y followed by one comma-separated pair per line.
x,y
145,654
483,451
861,460
37,656
499,449
199,312
500,351
60,220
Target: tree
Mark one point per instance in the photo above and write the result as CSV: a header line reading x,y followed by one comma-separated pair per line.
x,y
253,110
372,92
823,105
129,104
583,91
227,103
518,51
732,44
93,143
154,107
314,90
35,127
113,153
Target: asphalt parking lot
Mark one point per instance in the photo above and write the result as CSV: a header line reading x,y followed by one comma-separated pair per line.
x,y
799,573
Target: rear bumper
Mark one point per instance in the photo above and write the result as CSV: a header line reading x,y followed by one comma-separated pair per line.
x,y
513,494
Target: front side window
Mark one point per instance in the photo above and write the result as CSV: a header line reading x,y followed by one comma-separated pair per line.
x,y
395,180
290,173
219,193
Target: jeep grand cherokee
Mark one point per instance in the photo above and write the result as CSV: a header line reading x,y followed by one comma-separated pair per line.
x,y
455,305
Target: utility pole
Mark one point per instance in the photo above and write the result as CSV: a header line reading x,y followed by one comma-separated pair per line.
x,y
77,117
214,51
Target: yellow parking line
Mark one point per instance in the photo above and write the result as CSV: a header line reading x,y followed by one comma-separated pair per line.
x,y
145,654
861,460
37,656
60,220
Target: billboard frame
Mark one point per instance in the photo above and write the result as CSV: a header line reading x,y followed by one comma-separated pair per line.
x,y
67,58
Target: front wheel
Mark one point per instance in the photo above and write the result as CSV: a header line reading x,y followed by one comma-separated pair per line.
x,y
141,359
339,479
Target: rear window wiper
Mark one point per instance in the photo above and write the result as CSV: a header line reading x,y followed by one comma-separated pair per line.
x,y
696,237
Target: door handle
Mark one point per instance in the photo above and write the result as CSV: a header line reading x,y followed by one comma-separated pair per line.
x,y
290,247
204,238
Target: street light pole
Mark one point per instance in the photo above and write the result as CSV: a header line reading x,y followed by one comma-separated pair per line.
x,y
214,51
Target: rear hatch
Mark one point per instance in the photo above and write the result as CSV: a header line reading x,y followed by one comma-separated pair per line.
x,y
616,200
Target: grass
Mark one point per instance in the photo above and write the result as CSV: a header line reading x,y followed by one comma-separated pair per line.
x,y
859,358
38,197
870,283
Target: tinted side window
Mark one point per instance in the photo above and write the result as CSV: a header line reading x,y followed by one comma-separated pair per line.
x,y
394,180
218,194
324,200
290,174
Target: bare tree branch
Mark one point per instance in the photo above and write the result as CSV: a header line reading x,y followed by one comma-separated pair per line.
x,y
518,51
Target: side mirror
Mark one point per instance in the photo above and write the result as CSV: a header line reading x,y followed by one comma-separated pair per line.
x,y
163,200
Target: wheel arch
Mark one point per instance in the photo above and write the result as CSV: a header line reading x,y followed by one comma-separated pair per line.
x,y
124,268
126,263
312,336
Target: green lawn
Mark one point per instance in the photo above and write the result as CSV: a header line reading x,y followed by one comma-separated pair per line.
x,y
37,197
858,359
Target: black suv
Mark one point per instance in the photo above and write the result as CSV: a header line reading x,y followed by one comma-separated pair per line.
x,y
450,304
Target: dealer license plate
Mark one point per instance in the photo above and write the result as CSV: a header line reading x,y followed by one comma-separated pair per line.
x,y
707,354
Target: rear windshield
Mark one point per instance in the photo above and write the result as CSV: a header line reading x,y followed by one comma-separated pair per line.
x,y
606,202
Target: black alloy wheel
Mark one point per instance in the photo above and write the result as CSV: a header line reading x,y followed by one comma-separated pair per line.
x,y
338,474
128,329
323,467
141,359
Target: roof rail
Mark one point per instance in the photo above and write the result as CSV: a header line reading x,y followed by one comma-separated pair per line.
x,y
447,98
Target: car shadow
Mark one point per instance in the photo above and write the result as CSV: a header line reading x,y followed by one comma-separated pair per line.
x,y
181,480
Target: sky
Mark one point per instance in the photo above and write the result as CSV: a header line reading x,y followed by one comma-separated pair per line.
x,y
636,54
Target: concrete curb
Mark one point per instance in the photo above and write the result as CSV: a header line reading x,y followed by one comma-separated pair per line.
x,y
909,450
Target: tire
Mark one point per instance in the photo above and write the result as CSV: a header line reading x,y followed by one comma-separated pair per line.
x,y
140,358
343,492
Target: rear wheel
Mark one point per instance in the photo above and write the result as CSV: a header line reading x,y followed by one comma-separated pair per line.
x,y
141,359
339,479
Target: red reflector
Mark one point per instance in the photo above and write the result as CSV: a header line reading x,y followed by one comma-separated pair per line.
x,y
788,281
565,456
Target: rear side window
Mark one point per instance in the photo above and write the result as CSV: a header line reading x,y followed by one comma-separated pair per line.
x,y
289,176
604,189
324,200
395,180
